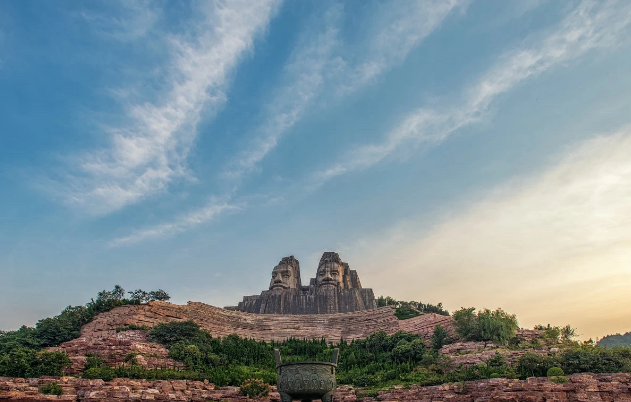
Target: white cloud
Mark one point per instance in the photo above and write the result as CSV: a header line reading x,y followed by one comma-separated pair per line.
x,y
553,247
590,25
305,72
132,20
323,66
211,211
150,150
394,33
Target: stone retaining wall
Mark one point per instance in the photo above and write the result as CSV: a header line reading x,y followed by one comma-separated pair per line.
x,y
580,388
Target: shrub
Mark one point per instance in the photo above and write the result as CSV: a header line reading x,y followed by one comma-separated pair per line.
x,y
534,365
52,389
406,312
495,326
172,332
103,373
555,371
364,381
92,360
253,387
560,379
439,337
495,375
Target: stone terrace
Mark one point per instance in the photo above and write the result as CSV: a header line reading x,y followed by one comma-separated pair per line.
x,y
265,327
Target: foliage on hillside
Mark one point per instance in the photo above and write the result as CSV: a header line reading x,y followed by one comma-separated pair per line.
x,y
377,361
20,350
553,335
409,309
485,325
610,341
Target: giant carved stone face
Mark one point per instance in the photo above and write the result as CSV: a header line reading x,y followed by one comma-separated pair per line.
x,y
283,277
330,274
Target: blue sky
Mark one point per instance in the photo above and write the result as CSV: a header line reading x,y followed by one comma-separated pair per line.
x,y
475,153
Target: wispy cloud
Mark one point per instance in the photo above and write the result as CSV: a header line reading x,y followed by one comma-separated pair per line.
x,y
209,212
131,20
549,247
325,67
150,149
590,25
393,34
305,72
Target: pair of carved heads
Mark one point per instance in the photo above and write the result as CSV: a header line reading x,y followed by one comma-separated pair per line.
x,y
330,275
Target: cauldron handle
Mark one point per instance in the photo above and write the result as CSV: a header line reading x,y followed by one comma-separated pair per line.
x,y
336,351
277,357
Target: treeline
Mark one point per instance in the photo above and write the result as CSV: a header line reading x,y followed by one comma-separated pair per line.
x,y
21,353
409,309
610,341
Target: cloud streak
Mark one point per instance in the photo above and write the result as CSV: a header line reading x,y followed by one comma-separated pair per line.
x,y
590,25
549,247
324,67
149,150
211,211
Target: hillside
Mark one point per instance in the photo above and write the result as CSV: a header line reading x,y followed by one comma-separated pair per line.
x,y
110,337
610,341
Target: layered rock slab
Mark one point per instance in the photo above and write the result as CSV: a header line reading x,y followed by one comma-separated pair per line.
x,y
101,338
581,387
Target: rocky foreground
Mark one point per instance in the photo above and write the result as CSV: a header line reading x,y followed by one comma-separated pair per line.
x,y
580,388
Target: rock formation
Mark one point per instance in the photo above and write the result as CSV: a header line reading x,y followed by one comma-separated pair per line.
x,y
580,387
335,289
100,336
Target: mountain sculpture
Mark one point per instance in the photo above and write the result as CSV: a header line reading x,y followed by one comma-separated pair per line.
x,y
335,289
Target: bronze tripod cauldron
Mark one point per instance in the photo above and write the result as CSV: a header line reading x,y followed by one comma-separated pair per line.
x,y
306,380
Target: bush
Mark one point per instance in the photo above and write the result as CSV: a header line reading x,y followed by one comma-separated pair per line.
x,y
364,381
489,326
534,365
52,389
92,361
103,373
253,387
560,379
439,337
172,332
555,372
592,359
495,375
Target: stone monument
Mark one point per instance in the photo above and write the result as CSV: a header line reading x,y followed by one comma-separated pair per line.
x,y
335,289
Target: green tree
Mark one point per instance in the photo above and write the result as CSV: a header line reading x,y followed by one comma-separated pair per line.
x,y
496,326
439,337
466,323
158,295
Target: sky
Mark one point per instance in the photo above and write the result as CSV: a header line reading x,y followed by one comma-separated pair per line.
x,y
474,153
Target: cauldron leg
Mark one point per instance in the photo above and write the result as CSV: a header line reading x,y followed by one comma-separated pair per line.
x,y
328,397
285,397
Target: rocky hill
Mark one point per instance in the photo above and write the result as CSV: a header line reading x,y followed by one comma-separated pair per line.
x,y
108,335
